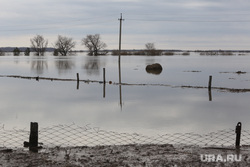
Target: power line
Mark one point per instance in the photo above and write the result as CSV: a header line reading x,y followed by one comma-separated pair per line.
x,y
52,26
187,21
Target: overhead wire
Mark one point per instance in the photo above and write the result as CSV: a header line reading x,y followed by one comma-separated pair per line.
x,y
51,24
176,20
216,17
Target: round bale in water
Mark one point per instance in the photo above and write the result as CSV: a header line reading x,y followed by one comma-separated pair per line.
x,y
154,68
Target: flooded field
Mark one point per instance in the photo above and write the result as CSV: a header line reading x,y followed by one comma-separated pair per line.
x,y
145,103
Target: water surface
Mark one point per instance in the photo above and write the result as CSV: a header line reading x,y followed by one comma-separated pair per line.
x,y
147,109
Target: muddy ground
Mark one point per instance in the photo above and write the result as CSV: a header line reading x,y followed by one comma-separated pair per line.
x,y
126,155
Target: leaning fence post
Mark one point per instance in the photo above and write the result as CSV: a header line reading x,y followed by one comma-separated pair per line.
x,y
33,140
238,134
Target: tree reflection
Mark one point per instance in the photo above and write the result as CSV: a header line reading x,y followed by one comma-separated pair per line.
x,y
64,65
92,65
150,60
38,65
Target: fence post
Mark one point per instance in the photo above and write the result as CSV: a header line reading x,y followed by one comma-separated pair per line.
x,y
104,83
238,134
33,140
210,83
210,94
104,76
77,76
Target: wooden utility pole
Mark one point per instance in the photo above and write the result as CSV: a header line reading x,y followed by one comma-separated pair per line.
x,y
119,59
120,35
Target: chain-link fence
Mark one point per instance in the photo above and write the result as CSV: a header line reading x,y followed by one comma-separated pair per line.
x,y
74,135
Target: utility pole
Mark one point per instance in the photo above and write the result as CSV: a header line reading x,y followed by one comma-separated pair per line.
x,y
119,59
120,35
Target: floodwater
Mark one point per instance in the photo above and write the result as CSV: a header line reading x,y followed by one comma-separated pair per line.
x,y
149,109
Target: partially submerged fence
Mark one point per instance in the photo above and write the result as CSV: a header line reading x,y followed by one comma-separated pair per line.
x,y
73,135
78,80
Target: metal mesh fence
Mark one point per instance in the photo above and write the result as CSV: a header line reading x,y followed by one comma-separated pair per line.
x,y
74,135
13,138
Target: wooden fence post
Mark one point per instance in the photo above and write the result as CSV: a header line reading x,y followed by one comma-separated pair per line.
x,y
33,140
77,76
238,134
104,76
104,83
209,88
210,82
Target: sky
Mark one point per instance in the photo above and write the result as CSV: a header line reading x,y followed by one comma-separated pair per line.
x,y
169,24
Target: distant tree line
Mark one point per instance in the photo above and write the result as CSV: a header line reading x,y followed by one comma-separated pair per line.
x,y
63,46
149,50
2,53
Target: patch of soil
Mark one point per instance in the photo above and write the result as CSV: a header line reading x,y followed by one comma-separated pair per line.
x,y
151,155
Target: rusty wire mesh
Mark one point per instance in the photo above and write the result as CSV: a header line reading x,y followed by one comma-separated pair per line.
x,y
74,135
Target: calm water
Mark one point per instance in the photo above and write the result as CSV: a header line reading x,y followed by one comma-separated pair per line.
x,y
146,109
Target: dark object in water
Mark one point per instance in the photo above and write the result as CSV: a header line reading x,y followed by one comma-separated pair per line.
x,y
154,68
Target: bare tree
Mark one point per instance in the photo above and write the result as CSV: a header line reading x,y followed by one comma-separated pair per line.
x,y
64,45
39,44
94,44
150,49
150,46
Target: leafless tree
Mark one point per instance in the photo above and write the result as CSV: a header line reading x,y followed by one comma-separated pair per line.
x,y
64,45
150,46
39,44
94,44
150,49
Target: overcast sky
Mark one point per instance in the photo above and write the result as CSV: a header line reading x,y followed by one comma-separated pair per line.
x,y
170,24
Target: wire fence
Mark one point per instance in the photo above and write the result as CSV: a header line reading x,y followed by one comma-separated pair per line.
x,y
73,135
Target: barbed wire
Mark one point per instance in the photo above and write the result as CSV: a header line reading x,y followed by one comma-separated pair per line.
x,y
223,89
73,135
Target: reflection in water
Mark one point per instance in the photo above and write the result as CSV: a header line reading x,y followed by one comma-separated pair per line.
x,y
148,109
92,65
63,65
210,94
38,65
16,59
120,80
150,60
